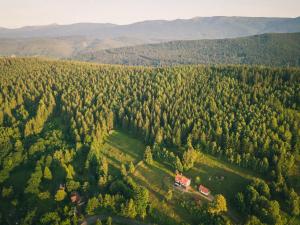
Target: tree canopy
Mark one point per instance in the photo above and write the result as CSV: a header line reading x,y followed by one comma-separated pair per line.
x,y
56,115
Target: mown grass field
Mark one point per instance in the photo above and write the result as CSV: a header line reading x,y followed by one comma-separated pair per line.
x,y
158,180
119,148
220,177
123,148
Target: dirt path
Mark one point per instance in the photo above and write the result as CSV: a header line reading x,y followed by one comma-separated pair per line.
x,y
209,198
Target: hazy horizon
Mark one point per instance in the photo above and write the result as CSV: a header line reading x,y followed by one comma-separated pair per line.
x,y
120,24
17,13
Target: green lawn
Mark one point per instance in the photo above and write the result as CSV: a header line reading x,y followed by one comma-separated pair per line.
x,y
158,180
122,148
220,177
119,148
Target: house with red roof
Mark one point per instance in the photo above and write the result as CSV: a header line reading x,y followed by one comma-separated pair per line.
x,y
203,190
181,180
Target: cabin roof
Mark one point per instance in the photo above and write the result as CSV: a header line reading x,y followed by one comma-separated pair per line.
x,y
182,179
203,189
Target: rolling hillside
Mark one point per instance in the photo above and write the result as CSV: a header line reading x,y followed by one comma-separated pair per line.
x,y
266,49
67,41
61,47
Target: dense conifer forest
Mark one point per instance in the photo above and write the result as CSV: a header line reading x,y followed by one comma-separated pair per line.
x,y
278,49
57,119
265,49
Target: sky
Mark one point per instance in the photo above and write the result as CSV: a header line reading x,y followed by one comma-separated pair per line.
x,y
18,13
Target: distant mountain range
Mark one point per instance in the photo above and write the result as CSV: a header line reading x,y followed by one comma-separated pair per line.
x,y
189,29
265,49
105,42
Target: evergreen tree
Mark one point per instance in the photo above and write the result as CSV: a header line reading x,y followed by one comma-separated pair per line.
x,y
141,200
109,221
104,166
98,222
189,157
178,165
148,156
131,168
91,206
123,170
293,202
129,210
47,173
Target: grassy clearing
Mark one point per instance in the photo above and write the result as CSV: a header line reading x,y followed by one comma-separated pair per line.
x,y
220,177
158,180
122,148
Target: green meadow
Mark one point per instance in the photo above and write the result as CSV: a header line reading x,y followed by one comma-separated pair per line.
x,y
220,177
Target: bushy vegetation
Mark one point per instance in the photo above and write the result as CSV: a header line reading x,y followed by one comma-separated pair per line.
x,y
55,118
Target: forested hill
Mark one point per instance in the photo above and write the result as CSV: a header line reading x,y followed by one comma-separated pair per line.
x,y
55,118
266,49
67,41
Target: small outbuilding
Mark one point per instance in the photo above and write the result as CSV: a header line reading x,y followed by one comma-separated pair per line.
x,y
203,190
